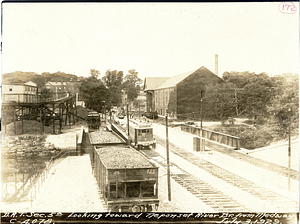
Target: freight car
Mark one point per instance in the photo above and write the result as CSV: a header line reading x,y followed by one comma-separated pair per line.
x,y
94,121
141,134
127,180
103,138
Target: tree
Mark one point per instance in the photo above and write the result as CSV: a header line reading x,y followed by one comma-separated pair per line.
x,y
255,91
283,108
219,101
113,81
132,84
45,93
94,92
95,74
238,79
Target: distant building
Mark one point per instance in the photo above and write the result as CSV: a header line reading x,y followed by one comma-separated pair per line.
x,y
178,93
64,87
20,92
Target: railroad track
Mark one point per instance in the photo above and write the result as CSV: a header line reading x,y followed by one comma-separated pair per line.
x,y
214,198
277,200
254,161
191,183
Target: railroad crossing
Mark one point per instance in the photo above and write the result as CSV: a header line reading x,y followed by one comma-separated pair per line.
x,y
50,111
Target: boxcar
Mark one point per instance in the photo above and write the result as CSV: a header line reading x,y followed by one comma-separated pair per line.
x,y
141,134
94,121
127,180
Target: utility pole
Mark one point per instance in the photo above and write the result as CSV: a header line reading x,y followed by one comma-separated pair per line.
x,y
201,118
128,140
139,109
110,111
168,159
102,108
289,152
105,112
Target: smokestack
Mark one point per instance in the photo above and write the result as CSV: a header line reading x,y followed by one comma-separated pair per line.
x,y
216,65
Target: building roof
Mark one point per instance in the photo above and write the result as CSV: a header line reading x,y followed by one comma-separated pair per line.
x,y
29,83
168,82
174,80
152,82
56,83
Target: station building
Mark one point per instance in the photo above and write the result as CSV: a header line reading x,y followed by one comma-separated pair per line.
x,y
178,95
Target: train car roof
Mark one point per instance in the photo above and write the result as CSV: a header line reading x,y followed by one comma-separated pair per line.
x,y
140,124
122,158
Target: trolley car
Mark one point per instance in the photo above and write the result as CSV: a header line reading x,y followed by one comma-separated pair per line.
x,y
141,134
94,121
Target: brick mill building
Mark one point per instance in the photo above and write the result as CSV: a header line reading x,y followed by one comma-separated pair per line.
x,y
179,94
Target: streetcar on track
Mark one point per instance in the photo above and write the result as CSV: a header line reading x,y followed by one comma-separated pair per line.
x,y
141,134
94,121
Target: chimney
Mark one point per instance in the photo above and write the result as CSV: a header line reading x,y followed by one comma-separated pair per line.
x,y
216,65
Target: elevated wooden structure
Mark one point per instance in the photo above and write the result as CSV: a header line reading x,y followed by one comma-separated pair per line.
x,y
48,112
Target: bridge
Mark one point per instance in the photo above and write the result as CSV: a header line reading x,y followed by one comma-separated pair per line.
x,y
45,111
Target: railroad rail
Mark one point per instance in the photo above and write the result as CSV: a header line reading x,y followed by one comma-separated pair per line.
x,y
218,201
277,200
216,146
253,160
211,196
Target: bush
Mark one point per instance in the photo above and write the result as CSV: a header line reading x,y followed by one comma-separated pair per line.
x,y
252,137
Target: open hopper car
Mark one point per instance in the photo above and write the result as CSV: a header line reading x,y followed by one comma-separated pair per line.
x,y
128,181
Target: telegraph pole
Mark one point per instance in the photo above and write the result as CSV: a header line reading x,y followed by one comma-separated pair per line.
x,y
102,108
201,117
139,110
168,159
105,112
128,140
110,111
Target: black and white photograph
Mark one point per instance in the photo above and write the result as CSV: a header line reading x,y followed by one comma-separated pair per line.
x,y
150,112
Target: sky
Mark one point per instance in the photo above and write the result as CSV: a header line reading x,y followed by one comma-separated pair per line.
x,y
155,39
